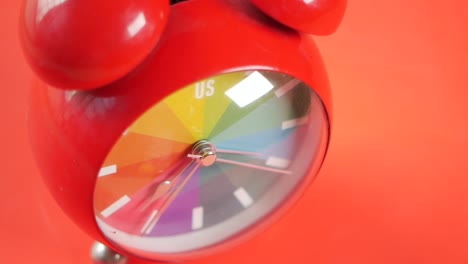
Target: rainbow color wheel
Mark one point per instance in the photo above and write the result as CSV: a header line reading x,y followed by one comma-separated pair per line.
x,y
210,161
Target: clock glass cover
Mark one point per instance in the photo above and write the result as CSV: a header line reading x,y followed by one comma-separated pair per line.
x,y
209,162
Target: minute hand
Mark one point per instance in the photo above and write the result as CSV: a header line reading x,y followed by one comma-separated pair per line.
x,y
253,166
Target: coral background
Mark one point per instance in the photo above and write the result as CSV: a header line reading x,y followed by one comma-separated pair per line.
x,y
394,188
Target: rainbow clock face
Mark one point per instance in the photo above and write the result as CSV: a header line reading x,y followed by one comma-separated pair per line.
x,y
209,162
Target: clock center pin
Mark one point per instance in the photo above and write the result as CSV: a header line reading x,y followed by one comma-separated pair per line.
x,y
205,152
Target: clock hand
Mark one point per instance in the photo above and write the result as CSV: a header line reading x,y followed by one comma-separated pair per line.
x,y
252,166
215,151
163,186
228,151
165,200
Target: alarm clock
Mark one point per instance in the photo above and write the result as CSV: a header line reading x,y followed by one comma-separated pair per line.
x,y
203,138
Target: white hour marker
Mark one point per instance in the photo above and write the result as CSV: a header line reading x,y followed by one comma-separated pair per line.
x,y
115,206
287,87
243,197
104,171
197,217
250,89
151,227
277,162
294,123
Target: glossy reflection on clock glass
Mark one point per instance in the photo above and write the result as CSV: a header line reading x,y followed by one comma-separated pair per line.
x,y
210,161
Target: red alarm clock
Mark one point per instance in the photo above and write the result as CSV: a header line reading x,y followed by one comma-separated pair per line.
x,y
169,133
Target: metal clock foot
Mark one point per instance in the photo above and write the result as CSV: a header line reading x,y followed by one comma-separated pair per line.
x,y
101,254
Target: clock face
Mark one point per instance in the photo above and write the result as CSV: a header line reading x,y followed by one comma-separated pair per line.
x,y
209,162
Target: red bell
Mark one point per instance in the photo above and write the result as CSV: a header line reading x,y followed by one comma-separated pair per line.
x,y
318,17
85,44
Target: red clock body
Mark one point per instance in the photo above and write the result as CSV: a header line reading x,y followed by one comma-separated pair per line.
x,y
230,77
